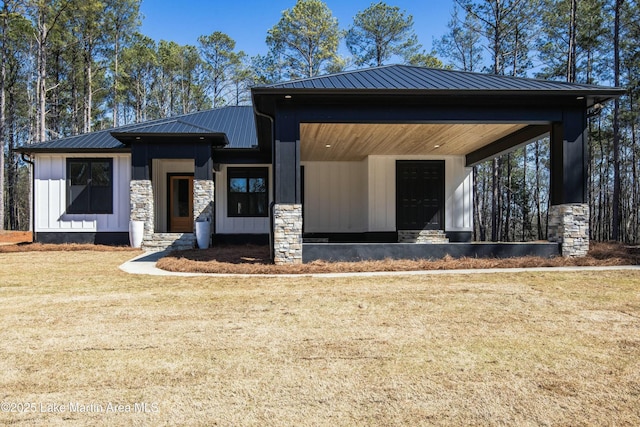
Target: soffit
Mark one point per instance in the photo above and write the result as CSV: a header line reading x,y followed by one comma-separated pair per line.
x,y
355,141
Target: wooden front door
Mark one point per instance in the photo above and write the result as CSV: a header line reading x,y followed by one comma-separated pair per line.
x,y
420,195
180,204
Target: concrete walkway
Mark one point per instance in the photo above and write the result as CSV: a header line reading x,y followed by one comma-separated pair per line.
x,y
146,264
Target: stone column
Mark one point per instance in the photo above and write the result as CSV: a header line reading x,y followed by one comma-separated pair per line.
x,y
141,204
569,226
203,193
287,234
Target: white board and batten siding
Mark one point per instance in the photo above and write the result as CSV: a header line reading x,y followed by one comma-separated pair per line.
x,y
335,197
343,197
237,225
50,196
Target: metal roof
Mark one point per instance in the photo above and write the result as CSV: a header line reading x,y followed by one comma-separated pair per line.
x,y
237,123
404,77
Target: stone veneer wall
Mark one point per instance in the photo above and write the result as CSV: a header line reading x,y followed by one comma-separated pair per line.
x,y
141,204
203,190
287,234
569,225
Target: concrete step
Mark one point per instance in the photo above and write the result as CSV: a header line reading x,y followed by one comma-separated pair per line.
x,y
422,236
169,241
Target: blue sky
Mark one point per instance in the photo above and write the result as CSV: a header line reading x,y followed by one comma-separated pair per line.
x,y
247,21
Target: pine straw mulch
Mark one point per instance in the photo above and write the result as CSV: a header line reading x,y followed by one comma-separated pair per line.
x,y
252,259
66,247
10,237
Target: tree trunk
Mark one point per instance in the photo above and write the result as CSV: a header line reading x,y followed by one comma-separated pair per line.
x,y
41,91
615,226
507,214
537,190
571,56
3,78
115,81
525,195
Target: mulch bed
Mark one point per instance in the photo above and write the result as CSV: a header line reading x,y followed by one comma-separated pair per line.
x,y
67,247
16,237
251,259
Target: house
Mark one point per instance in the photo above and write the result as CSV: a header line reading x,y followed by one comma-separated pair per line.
x,y
362,164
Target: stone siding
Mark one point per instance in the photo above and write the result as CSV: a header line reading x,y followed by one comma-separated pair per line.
x,y
287,236
203,190
569,226
141,204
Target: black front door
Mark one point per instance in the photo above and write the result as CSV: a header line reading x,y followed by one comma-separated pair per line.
x,y
420,194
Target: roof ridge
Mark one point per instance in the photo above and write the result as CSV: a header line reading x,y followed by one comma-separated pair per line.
x,y
476,74
340,73
501,76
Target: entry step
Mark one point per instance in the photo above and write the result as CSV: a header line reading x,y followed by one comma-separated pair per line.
x,y
422,236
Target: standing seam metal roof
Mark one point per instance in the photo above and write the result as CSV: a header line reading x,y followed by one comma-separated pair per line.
x,y
394,77
236,122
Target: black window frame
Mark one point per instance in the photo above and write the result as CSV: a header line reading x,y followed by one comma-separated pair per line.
x,y
248,173
104,192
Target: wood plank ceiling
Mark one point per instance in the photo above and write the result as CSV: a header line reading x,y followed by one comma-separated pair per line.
x,y
355,141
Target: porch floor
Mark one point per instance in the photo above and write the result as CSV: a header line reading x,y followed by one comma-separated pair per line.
x,y
380,251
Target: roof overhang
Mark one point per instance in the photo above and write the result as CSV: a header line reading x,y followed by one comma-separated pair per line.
x,y
590,97
213,139
475,133
58,150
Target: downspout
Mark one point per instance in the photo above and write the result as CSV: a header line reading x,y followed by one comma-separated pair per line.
x,y
272,204
32,211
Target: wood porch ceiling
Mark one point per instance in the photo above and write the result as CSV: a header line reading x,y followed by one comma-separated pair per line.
x,y
355,141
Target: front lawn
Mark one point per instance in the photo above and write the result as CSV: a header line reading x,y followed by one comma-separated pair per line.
x,y
86,344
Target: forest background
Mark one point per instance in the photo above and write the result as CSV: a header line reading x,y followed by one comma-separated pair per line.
x,y
76,66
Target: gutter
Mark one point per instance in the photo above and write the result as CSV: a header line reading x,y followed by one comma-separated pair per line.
x,y
272,204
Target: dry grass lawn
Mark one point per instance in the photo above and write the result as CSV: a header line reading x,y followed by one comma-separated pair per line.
x,y
504,349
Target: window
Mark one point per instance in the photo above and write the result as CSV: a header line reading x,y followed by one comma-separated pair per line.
x,y
89,186
247,192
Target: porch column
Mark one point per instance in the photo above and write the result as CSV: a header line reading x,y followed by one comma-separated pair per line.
x,y
203,187
141,201
569,211
287,210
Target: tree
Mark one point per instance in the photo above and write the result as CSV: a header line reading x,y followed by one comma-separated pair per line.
x,y
121,21
217,52
241,79
615,229
306,36
462,43
268,69
9,15
569,39
424,59
47,16
380,32
85,20
138,64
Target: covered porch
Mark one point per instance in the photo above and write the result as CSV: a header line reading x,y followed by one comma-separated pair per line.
x,y
367,161
172,183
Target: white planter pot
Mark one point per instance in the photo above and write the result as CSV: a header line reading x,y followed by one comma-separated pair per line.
x,y
203,234
136,233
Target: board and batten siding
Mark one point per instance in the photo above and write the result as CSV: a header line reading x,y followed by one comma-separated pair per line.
x,y
50,196
335,197
354,197
232,225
